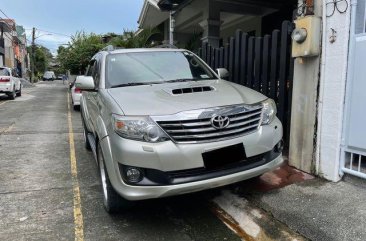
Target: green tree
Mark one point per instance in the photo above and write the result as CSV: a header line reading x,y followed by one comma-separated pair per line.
x,y
42,58
129,39
77,54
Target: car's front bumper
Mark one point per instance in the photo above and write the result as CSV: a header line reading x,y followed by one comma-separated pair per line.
x,y
149,192
169,156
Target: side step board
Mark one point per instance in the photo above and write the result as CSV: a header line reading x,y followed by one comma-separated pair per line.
x,y
93,145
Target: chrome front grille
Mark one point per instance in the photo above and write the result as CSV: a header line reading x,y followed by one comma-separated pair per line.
x,y
196,126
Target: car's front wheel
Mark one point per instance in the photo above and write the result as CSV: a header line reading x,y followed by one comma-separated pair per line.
x,y
112,201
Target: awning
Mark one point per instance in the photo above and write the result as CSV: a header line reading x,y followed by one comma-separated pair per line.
x,y
151,15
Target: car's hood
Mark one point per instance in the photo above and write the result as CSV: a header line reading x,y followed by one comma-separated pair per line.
x,y
159,100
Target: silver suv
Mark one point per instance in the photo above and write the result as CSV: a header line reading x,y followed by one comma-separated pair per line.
x,y
161,122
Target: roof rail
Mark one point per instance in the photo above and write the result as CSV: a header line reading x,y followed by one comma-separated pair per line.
x,y
166,46
111,48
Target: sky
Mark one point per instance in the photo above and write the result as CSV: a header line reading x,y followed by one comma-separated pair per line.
x,y
65,17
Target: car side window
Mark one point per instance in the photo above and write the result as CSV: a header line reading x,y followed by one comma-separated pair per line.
x,y
89,70
96,72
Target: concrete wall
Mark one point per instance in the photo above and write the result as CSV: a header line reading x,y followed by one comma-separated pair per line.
x,y
318,100
331,96
304,108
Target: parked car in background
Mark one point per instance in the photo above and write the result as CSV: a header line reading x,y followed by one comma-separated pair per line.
x,y
161,122
59,77
10,84
49,76
76,95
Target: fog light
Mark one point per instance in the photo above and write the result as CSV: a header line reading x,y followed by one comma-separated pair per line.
x,y
279,146
133,174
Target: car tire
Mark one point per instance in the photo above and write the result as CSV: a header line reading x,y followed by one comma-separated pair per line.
x,y
13,94
112,201
85,135
19,92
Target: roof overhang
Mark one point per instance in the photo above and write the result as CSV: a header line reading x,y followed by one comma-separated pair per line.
x,y
151,15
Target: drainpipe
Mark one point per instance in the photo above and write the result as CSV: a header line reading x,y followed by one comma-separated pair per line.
x,y
349,77
171,28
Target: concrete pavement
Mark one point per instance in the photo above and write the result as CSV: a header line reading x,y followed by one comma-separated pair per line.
x,y
319,210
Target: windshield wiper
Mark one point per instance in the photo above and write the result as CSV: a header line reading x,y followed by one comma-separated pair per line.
x,y
180,80
134,84
185,80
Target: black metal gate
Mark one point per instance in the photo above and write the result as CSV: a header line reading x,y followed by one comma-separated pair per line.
x,y
261,63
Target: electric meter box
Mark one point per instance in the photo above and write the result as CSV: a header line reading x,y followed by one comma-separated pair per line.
x,y
311,45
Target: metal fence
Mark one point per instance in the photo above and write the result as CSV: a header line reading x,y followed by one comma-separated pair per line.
x,y
261,63
354,163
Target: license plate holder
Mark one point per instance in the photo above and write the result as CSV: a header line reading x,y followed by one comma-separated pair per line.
x,y
225,156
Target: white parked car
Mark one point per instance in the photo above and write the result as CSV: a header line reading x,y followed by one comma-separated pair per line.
x,y
76,95
161,122
9,83
49,76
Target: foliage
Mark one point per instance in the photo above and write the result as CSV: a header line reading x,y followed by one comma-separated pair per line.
x,y
80,50
76,56
129,39
42,58
194,43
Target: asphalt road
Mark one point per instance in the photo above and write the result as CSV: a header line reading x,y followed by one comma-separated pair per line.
x,y
37,190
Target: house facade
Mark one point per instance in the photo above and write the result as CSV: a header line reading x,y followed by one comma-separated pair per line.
x,y
13,52
326,135
214,21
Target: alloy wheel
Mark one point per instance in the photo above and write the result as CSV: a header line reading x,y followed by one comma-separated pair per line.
x,y
103,177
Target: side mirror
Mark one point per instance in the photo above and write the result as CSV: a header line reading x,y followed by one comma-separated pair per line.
x,y
85,83
223,73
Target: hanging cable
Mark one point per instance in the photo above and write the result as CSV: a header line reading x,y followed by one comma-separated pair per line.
x,y
53,33
340,5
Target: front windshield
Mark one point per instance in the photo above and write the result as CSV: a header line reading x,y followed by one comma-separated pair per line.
x,y
154,67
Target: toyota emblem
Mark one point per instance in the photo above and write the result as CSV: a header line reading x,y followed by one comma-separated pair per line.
x,y
220,122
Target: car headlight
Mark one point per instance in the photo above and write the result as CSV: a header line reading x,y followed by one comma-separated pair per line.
x,y
138,128
269,111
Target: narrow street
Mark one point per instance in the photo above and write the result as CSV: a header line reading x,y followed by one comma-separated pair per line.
x,y
200,120
36,191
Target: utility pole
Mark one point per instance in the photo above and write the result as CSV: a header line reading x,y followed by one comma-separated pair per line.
x,y
171,28
33,52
